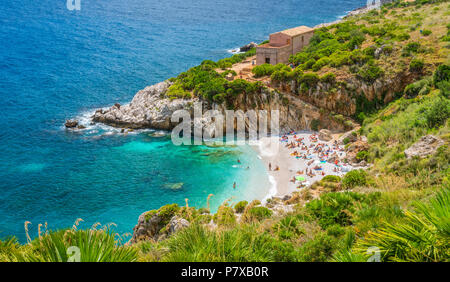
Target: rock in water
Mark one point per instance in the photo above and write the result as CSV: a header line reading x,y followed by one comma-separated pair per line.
x,y
248,47
148,109
173,186
71,123
325,135
427,145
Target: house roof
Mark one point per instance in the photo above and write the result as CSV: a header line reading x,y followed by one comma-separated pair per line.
x,y
297,30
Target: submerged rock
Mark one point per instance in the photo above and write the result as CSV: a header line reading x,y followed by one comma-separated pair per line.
x,y
71,123
427,145
174,186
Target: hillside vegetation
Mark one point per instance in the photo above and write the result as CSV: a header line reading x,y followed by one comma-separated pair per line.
x,y
397,210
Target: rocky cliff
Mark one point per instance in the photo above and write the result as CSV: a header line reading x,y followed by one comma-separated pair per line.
x,y
150,108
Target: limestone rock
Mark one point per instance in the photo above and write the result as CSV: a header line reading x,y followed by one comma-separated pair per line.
x,y
350,136
146,228
427,145
176,224
148,109
248,47
354,148
325,135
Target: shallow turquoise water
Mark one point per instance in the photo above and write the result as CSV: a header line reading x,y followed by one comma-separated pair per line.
x,y
57,64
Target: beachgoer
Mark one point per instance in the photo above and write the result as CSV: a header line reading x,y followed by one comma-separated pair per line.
x,y
234,185
270,166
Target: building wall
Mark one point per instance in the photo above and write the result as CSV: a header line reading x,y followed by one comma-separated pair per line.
x,y
275,55
263,53
300,41
281,46
279,39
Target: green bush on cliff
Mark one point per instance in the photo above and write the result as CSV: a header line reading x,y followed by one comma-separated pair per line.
x,y
240,206
416,65
336,208
421,87
422,235
355,178
328,78
438,112
225,216
259,213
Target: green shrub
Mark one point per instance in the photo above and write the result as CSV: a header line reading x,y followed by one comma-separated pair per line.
x,y
426,32
260,213
438,113
335,208
328,78
288,228
309,79
176,91
412,47
263,70
315,123
362,156
370,72
320,249
421,87
331,178
442,73
355,178
282,76
321,63
240,206
225,216
416,65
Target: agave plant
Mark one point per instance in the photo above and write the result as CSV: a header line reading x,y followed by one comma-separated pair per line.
x,y
423,234
71,245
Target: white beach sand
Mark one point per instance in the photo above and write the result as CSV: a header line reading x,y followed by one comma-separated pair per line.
x,y
279,155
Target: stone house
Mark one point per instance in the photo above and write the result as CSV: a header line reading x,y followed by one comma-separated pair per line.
x,y
283,44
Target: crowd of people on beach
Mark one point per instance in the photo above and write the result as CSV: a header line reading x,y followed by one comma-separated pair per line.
x,y
316,156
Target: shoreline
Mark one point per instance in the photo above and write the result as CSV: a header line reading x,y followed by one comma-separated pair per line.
x,y
290,166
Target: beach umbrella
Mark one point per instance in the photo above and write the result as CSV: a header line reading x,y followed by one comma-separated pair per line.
x,y
300,178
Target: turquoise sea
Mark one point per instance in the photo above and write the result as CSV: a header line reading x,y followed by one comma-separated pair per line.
x,y
57,64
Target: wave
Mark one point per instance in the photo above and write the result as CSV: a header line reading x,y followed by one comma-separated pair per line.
x,y
97,129
273,189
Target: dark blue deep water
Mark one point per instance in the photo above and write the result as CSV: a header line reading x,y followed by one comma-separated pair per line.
x,y
57,64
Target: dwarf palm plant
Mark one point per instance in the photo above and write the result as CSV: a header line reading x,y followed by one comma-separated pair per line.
x,y
423,235
72,245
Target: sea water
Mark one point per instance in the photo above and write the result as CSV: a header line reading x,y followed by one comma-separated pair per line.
x,y
57,64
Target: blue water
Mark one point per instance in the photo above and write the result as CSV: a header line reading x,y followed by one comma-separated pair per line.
x,y
57,64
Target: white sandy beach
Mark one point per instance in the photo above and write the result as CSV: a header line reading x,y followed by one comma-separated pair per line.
x,y
272,150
